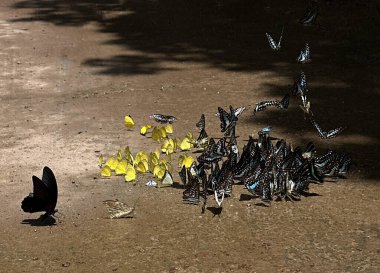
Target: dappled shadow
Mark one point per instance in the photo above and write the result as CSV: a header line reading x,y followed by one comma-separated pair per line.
x,y
230,35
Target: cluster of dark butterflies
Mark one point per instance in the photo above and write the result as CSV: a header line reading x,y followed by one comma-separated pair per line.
x,y
268,170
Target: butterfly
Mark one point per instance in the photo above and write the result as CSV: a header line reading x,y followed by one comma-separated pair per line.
x,y
117,209
304,56
44,196
130,174
329,134
163,118
201,124
191,193
202,140
283,104
167,179
129,122
145,129
272,43
300,85
310,16
183,175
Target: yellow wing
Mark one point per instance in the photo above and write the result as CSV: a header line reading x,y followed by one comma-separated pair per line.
x,y
169,128
106,172
141,156
142,166
156,134
119,155
128,155
100,162
128,121
184,144
121,167
131,174
185,160
145,129
159,170
112,163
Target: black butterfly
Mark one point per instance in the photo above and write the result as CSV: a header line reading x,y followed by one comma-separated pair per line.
x,y
272,43
304,56
310,16
163,119
201,124
329,134
300,85
44,195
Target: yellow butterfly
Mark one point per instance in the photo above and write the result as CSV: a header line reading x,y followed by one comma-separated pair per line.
x,y
128,155
185,160
100,162
106,171
142,166
145,129
130,174
168,146
153,161
184,144
159,170
121,167
119,155
163,132
167,179
156,134
112,163
128,121
140,156
168,128
157,152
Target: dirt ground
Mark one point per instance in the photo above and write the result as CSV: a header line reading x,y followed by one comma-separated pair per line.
x,y
71,70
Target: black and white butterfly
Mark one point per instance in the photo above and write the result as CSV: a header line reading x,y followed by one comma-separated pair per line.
x,y
310,16
283,104
163,118
44,196
201,124
304,56
326,134
272,43
191,193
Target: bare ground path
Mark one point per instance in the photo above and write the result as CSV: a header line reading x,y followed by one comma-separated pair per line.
x,y
71,70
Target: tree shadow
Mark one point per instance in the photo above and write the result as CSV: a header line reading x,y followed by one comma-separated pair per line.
x,y
230,35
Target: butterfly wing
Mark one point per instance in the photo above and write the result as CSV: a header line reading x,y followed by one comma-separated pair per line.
x,y
48,179
201,124
272,43
334,132
284,103
225,119
320,132
183,175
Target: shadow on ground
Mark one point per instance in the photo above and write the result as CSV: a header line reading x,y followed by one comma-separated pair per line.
x,y
230,35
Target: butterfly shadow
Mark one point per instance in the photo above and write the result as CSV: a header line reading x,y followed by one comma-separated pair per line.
x,y
215,210
41,221
177,185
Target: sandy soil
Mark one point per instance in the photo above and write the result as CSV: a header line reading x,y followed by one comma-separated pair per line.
x,y
71,70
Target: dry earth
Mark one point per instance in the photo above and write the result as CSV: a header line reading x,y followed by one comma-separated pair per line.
x,y
71,70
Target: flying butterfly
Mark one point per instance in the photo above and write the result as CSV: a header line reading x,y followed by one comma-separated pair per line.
x,y
44,196
117,209
272,43
304,56
163,118
323,134
310,16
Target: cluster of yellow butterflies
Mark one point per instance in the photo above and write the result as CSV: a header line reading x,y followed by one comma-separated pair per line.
x,y
128,165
